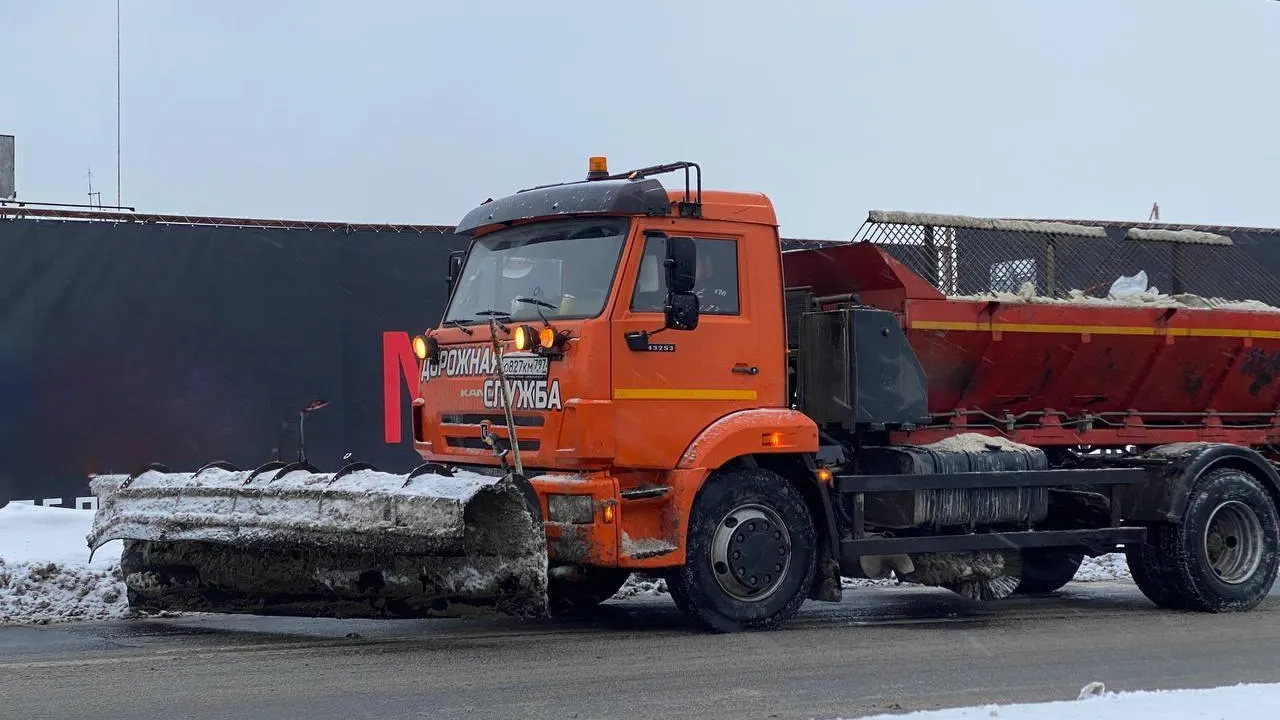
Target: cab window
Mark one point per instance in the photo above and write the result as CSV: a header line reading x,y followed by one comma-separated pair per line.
x,y
716,283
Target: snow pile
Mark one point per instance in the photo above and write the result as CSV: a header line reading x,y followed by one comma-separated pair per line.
x,y
849,583
45,572
641,585
1103,568
1127,291
1238,702
977,442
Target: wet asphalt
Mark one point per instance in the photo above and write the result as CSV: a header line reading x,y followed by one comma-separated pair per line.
x,y
880,650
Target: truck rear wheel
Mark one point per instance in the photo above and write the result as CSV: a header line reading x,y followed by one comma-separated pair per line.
x,y
750,555
1222,556
1046,570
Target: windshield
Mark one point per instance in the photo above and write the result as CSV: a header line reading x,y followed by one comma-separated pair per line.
x,y
561,269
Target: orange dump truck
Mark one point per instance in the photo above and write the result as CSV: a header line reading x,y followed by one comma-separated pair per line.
x,y
635,378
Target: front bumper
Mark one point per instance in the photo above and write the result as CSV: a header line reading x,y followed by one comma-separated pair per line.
x,y
608,521
575,537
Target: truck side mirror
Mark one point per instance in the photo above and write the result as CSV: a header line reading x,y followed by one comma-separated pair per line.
x,y
681,311
455,267
681,264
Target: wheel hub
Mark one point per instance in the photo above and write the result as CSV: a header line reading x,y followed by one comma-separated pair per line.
x,y
1233,542
750,552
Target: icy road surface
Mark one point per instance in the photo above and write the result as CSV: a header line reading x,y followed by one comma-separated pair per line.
x,y
882,650
885,649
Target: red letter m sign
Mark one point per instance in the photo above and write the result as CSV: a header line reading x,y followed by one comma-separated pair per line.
x,y
399,372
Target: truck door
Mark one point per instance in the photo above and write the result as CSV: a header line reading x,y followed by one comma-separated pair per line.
x,y
668,390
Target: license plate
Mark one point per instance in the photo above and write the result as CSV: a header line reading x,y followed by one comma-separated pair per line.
x,y
524,366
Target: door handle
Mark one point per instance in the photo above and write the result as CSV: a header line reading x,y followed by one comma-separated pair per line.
x,y
746,370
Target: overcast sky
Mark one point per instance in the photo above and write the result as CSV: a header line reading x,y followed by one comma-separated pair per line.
x,y
406,111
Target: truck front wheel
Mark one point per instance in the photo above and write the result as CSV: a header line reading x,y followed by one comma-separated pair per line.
x,y
750,555
1222,556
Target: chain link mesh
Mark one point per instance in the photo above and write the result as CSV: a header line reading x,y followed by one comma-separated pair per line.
x,y
976,256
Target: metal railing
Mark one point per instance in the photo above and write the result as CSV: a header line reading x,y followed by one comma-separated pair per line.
x,y
976,256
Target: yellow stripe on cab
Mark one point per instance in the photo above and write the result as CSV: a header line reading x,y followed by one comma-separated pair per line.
x,y
680,394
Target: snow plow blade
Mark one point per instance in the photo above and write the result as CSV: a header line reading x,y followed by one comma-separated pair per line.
x,y
358,543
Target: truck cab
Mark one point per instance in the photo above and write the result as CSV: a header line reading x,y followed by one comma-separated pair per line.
x,y
642,336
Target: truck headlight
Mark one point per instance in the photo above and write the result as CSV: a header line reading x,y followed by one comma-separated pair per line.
x,y
576,509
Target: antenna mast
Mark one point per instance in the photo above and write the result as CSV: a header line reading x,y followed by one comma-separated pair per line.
x,y
118,194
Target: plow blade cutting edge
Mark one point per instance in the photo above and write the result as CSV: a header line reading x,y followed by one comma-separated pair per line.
x,y
360,544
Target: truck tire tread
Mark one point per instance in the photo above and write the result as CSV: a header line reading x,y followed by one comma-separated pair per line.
x,y
1152,576
694,588
1173,569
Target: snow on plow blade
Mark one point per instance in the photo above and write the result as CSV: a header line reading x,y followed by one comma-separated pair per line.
x,y
351,544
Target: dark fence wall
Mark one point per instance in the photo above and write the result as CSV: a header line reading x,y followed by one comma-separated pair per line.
x,y
127,343
123,344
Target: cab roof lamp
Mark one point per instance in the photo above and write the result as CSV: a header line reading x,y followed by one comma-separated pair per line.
x,y
597,167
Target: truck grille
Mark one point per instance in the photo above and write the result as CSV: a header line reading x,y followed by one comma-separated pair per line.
x,y
496,419
475,443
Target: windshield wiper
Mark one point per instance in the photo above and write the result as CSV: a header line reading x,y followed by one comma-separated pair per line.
x,y
458,324
496,314
536,301
538,304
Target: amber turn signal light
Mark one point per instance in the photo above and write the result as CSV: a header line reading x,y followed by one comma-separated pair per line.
x,y
548,338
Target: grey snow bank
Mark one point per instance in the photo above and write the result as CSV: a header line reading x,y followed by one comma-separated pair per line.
x,y
45,571
1094,702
